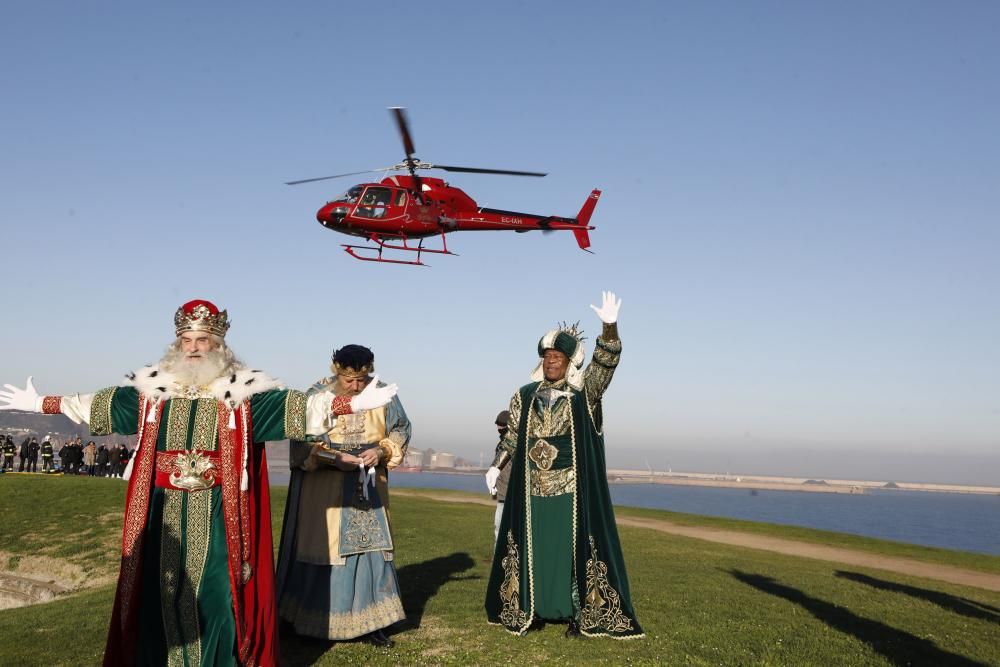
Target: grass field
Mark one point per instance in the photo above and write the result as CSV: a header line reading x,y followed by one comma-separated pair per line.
x,y
700,603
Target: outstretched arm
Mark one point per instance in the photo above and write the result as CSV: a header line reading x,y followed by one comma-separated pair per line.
x,y
288,413
607,351
111,410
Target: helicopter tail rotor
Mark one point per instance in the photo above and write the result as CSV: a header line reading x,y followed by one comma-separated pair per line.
x,y
583,217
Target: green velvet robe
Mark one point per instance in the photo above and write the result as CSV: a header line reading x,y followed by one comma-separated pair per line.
x,y
186,610
558,556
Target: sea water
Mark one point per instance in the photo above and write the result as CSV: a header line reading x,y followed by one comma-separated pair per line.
x,y
962,521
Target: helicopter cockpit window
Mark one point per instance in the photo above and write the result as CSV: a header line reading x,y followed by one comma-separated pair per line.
x,y
374,202
401,198
351,196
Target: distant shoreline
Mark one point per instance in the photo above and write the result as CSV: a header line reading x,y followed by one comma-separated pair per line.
x,y
755,482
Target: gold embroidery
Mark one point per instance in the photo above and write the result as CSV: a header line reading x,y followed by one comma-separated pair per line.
x,y
510,590
231,470
246,445
362,532
602,606
205,415
555,420
177,424
351,429
191,392
171,575
543,454
295,415
545,483
347,625
100,412
197,534
191,471
598,374
137,507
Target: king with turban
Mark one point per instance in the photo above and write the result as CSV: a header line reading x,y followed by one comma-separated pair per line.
x,y
557,556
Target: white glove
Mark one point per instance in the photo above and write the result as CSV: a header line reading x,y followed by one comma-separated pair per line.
x,y
373,396
608,312
26,399
492,475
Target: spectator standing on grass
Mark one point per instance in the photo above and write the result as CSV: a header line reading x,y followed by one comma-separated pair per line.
x,y
78,455
114,458
48,453
22,454
33,449
501,488
125,456
64,456
89,457
102,461
9,449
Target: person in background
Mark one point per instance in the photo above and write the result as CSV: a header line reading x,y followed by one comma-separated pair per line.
x,y
75,456
48,453
9,449
22,454
114,458
501,487
102,461
125,456
33,449
89,457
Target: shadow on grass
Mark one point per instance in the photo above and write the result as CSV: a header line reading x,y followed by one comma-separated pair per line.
x,y
298,650
419,582
896,646
959,605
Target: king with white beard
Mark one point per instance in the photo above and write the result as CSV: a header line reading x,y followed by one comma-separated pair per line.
x,y
196,583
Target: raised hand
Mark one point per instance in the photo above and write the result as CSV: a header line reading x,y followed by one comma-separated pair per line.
x,y
608,312
26,399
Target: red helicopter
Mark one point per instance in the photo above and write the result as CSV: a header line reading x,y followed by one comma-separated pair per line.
x,y
399,210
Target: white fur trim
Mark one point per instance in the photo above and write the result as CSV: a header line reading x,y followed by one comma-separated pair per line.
x,y
160,385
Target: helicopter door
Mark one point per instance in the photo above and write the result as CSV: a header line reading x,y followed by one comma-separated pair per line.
x,y
374,203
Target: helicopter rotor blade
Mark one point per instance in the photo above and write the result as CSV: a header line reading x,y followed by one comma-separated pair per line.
x,y
326,178
477,170
399,113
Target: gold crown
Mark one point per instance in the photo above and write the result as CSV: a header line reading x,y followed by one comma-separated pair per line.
x,y
351,373
201,316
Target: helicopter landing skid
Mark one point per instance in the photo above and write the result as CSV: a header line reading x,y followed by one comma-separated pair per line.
x,y
383,244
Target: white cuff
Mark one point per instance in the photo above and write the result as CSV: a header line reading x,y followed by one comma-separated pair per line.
x,y
319,417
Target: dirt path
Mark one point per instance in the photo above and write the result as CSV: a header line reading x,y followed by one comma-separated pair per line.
x,y
947,573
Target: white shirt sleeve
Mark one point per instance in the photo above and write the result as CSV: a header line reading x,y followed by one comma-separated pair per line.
x,y
77,407
319,417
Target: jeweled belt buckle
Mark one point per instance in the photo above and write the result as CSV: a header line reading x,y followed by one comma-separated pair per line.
x,y
192,471
543,454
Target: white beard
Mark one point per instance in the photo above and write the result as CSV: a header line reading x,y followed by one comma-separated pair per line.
x,y
199,372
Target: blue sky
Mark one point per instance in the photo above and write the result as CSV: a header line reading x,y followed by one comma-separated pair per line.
x,y
799,211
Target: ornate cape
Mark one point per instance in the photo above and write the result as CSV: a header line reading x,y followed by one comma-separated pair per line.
x,y
246,507
601,584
